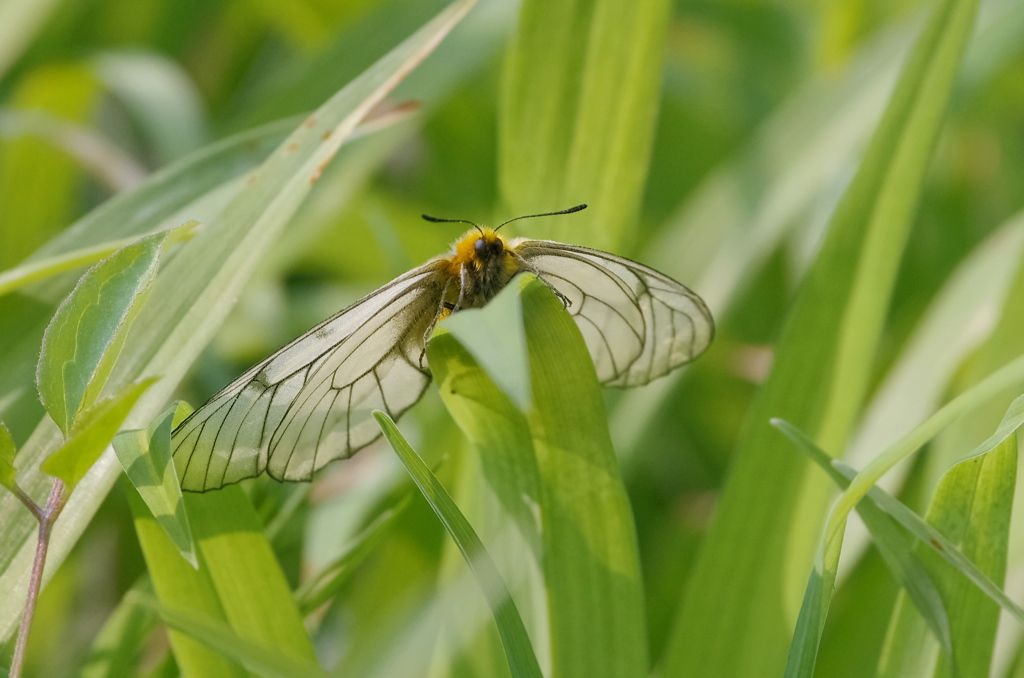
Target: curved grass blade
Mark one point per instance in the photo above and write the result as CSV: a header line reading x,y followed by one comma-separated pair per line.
x,y
893,546
522,661
915,524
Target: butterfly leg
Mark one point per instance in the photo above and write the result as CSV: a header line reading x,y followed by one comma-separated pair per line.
x,y
462,289
441,308
525,266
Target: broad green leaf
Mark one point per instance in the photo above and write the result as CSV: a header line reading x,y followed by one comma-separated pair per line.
x,y
92,432
736,621
556,464
198,286
518,650
146,457
217,635
578,107
86,335
7,454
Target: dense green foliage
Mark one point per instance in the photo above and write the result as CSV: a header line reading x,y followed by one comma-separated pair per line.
x,y
842,182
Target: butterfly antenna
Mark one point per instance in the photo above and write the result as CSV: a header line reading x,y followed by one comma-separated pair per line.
x,y
439,220
577,208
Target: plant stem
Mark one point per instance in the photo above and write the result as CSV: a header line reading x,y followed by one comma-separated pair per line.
x,y
47,517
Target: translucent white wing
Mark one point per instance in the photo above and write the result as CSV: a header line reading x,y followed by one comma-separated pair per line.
x,y
311,402
639,324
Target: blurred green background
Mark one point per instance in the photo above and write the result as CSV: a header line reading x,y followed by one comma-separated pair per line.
x,y
762,108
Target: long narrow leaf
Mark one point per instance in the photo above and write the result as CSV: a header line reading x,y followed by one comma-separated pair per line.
x,y
521,659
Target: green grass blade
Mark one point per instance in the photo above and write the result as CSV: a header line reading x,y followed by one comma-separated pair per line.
x,y
579,99
926,533
519,651
239,581
947,333
497,342
828,559
182,587
39,184
904,565
30,272
196,289
591,563
20,22
746,210
735,620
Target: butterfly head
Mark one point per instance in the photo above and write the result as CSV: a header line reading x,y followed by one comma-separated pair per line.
x,y
479,248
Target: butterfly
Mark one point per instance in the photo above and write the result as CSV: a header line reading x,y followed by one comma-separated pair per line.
x,y
311,402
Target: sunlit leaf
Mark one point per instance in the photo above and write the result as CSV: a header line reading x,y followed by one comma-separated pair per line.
x,y
93,430
146,457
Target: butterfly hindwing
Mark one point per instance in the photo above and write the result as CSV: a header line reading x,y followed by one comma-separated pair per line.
x,y
638,324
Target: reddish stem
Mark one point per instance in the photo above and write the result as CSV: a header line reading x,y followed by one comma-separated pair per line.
x,y
47,517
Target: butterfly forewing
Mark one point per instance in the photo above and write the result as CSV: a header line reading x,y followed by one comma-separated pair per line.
x,y
638,324
311,402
